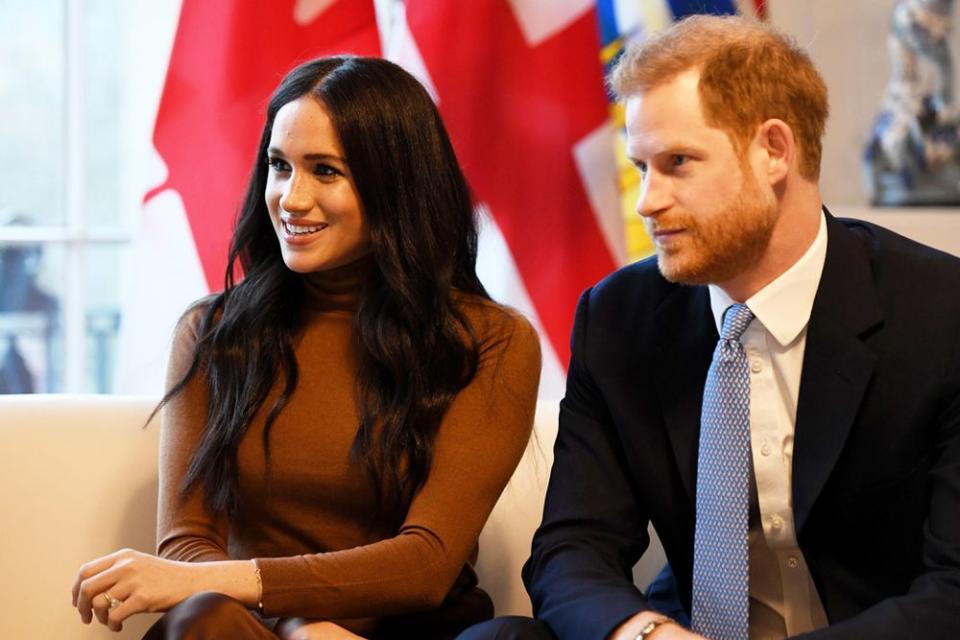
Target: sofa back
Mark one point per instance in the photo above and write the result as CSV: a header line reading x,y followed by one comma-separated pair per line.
x,y
78,479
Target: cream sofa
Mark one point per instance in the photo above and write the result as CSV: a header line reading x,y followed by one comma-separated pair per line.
x,y
78,480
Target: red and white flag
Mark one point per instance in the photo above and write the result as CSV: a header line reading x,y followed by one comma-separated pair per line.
x,y
226,60
519,84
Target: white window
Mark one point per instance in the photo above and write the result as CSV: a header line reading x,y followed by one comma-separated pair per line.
x,y
79,83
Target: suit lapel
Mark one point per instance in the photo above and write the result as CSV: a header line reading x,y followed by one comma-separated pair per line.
x,y
837,365
686,337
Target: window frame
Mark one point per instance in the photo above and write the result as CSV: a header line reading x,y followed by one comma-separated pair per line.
x,y
75,237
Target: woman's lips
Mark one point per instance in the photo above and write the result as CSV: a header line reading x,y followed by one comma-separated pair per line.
x,y
301,232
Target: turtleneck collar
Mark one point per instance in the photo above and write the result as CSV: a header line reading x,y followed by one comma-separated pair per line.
x,y
337,289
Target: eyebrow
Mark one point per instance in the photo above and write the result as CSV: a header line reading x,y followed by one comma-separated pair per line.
x,y
273,151
682,150
679,150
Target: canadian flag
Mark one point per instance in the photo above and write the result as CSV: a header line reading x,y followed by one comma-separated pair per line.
x,y
227,58
520,86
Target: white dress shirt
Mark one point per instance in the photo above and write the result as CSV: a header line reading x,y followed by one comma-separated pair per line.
x,y
783,599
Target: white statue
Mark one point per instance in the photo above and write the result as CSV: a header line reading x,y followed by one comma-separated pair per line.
x,y
914,153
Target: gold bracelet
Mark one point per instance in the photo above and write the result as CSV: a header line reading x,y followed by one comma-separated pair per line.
x,y
256,572
647,632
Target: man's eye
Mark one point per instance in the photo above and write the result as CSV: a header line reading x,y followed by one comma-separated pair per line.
x,y
679,160
277,164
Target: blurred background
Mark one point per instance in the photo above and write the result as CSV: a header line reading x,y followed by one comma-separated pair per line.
x,y
127,128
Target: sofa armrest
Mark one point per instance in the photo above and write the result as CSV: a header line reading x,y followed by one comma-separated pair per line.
x,y
78,479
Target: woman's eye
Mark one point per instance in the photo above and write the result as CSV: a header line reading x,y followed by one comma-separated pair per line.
x,y
277,164
325,170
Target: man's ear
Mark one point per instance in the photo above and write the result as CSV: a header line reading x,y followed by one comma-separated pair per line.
x,y
775,139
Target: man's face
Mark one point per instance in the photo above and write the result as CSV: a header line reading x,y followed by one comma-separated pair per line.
x,y
701,202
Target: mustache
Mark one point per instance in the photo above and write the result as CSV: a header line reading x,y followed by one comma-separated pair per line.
x,y
675,221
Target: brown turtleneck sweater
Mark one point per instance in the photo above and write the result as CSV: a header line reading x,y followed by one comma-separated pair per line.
x,y
319,553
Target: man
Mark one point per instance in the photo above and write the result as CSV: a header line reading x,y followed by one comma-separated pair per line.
x,y
803,470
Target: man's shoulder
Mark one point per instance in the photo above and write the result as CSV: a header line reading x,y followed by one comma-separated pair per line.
x,y
904,282
888,247
636,287
906,269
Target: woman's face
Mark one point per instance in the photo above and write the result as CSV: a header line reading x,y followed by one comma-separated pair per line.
x,y
310,194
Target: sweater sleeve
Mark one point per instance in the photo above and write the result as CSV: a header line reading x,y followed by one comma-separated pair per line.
x,y
186,530
479,444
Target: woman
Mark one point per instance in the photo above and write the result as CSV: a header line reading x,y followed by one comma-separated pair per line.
x,y
340,423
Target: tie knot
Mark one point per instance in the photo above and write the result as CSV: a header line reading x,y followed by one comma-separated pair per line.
x,y
735,321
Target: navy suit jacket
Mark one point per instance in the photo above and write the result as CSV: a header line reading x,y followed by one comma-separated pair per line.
x,y
876,463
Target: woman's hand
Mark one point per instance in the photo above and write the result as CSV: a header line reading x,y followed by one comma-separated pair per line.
x,y
126,582
300,629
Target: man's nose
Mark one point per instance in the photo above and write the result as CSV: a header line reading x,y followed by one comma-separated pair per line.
x,y
655,195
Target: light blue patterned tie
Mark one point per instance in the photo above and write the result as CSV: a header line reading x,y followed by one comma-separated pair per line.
x,y
721,578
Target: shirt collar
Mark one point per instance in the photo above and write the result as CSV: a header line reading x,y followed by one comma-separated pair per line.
x,y
783,307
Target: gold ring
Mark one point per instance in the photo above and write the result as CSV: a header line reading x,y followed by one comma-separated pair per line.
x,y
112,603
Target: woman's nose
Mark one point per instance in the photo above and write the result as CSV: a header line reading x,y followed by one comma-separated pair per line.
x,y
296,197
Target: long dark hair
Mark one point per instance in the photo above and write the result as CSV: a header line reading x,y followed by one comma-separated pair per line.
x,y
417,350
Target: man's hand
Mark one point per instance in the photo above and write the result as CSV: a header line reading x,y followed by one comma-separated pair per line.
x,y
630,629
